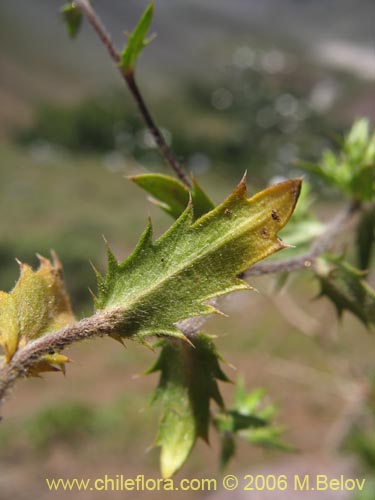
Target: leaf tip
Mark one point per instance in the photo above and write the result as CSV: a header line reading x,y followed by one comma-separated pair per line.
x,y
56,262
20,264
118,338
170,463
112,261
42,260
241,187
94,297
179,334
296,187
283,245
93,267
215,310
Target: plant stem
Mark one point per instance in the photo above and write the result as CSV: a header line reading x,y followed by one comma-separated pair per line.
x,y
99,325
154,130
129,79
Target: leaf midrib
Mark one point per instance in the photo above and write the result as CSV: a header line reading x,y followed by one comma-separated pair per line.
x,y
169,277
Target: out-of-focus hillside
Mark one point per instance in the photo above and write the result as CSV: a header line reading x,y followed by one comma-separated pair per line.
x,y
194,38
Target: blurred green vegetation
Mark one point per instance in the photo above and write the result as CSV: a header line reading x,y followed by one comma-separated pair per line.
x,y
361,438
65,203
94,125
361,442
245,119
74,423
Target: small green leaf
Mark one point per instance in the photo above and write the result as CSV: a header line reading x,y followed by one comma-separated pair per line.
x,y
73,18
188,382
366,238
137,40
250,419
346,287
172,196
171,279
352,170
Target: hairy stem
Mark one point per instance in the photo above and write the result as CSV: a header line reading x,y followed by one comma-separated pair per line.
x,y
99,325
129,79
154,130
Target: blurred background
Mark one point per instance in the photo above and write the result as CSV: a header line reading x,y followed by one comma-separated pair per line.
x,y
235,85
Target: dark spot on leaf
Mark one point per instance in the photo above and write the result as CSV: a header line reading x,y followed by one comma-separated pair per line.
x,y
264,233
275,215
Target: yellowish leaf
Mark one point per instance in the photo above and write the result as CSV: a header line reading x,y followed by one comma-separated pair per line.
x,y
37,305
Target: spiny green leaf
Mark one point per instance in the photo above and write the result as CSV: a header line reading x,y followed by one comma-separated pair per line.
x,y
346,287
251,419
227,449
172,196
366,238
353,169
37,305
166,281
73,18
188,382
137,40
